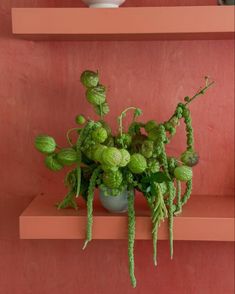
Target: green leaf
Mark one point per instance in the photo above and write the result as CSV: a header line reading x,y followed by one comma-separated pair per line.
x,y
160,177
138,112
153,189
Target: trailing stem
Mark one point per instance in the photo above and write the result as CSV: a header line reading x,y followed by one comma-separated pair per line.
x,y
90,199
131,236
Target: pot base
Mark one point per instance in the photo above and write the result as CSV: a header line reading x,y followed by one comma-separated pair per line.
x,y
115,204
103,5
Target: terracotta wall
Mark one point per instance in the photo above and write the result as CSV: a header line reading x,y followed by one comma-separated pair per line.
x,y
40,93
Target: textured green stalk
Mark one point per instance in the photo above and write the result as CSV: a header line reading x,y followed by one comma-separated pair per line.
x,y
90,199
79,156
179,203
131,236
155,239
171,216
79,142
186,196
159,213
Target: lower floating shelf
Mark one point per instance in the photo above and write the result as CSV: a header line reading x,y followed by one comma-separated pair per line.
x,y
205,218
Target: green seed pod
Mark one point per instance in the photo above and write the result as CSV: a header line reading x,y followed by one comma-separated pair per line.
x,y
125,157
153,165
67,156
189,158
108,168
101,109
97,95
106,127
183,173
112,179
90,151
97,154
137,163
147,148
129,177
111,156
45,144
99,135
52,163
151,124
80,119
89,79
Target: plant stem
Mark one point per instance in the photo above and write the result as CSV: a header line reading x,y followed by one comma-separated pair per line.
x,y
198,93
120,118
68,133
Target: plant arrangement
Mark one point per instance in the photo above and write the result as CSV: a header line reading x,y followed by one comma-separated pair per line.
x,y
132,159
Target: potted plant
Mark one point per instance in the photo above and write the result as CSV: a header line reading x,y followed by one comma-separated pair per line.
x,y
120,164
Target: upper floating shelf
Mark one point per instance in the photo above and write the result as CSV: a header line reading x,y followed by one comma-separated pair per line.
x,y
204,218
142,23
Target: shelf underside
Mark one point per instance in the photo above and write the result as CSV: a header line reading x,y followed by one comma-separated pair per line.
x,y
206,218
145,23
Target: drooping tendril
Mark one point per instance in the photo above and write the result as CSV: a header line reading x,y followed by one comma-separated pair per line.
x,y
90,198
131,236
159,213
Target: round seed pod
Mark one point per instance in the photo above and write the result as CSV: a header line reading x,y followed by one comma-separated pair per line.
x,y
108,168
137,163
89,79
112,180
189,158
153,165
147,148
45,144
111,156
80,119
97,153
125,157
99,135
183,173
67,156
52,163
97,95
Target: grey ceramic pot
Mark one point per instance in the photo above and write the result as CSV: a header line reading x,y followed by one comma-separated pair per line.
x,y
117,204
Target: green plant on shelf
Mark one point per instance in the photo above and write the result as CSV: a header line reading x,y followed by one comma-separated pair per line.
x,y
131,160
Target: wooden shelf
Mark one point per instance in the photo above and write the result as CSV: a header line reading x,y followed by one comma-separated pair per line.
x,y
142,23
205,218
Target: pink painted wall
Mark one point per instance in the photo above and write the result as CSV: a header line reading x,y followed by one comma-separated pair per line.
x,y
40,93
